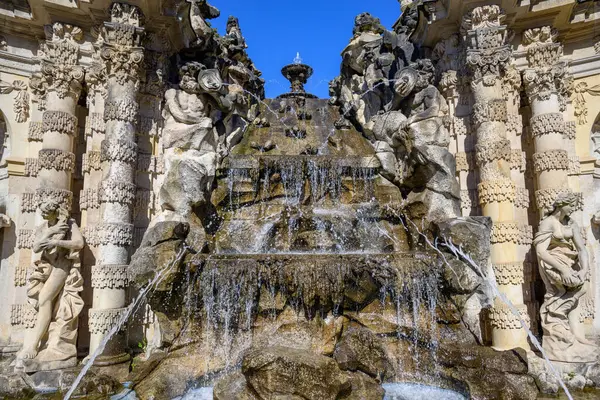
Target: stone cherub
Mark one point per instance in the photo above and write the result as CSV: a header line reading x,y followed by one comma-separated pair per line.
x,y
564,267
411,142
53,290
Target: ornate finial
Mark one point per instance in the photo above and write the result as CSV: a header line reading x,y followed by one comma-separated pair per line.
x,y
297,59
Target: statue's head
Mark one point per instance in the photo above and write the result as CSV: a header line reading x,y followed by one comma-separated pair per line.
x,y
188,74
365,22
426,72
232,23
51,209
566,203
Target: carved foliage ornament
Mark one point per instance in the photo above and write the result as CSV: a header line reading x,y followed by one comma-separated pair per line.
x,y
59,121
541,83
492,111
549,123
551,160
579,102
102,321
496,191
487,64
21,101
488,152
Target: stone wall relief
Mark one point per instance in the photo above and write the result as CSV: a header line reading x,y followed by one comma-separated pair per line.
x,y
564,267
579,101
53,290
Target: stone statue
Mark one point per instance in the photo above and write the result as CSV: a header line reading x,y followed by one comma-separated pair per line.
x,y
564,267
200,12
411,142
190,138
53,290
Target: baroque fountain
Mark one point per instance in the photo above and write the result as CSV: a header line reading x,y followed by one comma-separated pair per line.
x,y
313,248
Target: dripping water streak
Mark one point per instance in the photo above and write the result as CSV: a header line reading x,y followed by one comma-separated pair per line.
x,y
131,309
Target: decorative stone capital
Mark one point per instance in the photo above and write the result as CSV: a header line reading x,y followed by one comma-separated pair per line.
x,y
542,82
123,52
61,57
102,321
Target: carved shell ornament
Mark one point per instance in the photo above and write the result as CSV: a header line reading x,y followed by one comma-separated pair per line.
x,y
210,80
406,79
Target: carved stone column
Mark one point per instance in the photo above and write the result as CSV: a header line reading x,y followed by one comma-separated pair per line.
x,y
63,77
123,56
544,83
547,85
488,56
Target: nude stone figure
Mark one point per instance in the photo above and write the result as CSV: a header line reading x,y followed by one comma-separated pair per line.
x,y
53,290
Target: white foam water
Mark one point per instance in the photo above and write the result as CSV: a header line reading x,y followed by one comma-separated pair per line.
x,y
393,391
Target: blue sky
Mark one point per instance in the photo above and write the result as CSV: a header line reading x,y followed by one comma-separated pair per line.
x,y
318,29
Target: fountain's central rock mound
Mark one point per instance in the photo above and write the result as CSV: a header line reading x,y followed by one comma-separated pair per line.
x,y
298,184
305,247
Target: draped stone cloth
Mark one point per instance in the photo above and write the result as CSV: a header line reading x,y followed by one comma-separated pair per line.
x,y
560,300
60,343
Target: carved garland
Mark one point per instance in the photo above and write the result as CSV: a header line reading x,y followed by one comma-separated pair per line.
x,y
25,238
102,321
118,150
36,132
29,202
522,198
31,167
551,160
548,123
509,273
505,232
91,161
59,121
117,192
88,199
110,276
492,111
468,199
501,317
56,159
22,315
122,110
120,234
488,152
496,191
